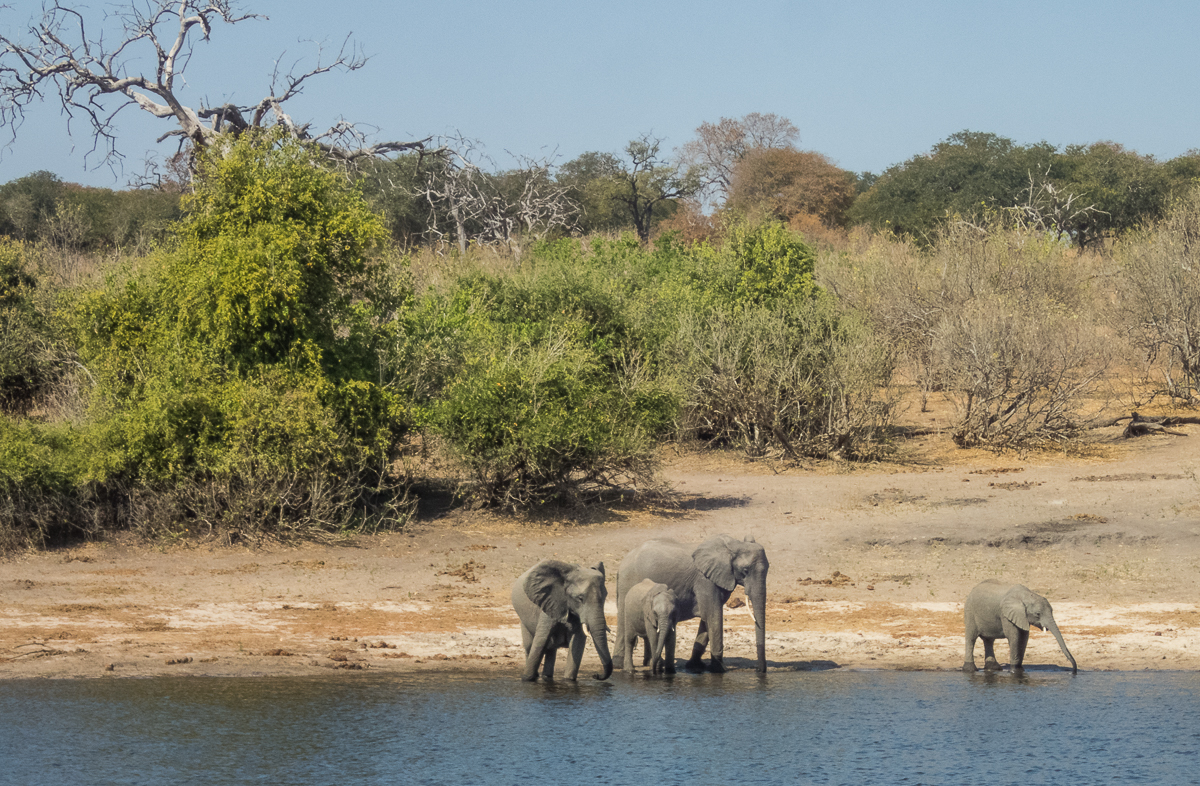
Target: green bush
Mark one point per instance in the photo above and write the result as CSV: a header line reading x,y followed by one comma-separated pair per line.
x,y
537,383
250,346
545,420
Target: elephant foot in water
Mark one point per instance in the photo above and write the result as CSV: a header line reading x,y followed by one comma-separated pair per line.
x,y
991,664
969,668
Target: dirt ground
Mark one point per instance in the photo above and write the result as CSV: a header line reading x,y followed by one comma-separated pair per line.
x,y
869,568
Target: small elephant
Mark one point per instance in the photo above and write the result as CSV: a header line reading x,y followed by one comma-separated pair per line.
x,y
554,601
702,578
994,609
651,612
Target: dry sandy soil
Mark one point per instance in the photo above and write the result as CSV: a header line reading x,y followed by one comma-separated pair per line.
x,y
869,567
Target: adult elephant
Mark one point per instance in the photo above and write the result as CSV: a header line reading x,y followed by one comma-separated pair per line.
x,y
995,609
554,601
702,578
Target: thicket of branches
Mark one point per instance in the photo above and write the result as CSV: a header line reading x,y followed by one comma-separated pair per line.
x,y
291,330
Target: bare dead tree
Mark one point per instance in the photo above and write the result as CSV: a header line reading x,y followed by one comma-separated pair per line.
x,y
1048,208
95,75
494,208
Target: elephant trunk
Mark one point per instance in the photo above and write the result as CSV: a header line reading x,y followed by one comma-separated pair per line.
x,y
1052,626
599,630
757,592
660,640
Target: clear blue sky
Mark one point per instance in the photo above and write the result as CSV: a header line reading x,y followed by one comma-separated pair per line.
x,y
869,83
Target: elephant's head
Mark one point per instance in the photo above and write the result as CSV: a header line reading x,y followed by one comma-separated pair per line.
x,y
661,614
1023,607
561,589
727,562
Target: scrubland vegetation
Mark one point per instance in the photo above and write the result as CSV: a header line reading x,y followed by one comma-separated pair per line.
x,y
275,346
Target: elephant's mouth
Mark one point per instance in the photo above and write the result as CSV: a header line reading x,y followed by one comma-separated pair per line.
x,y
1039,627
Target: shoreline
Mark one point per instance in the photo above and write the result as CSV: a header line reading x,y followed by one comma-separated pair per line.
x,y
869,568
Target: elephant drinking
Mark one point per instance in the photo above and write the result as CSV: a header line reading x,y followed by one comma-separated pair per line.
x,y
554,601
652,612
702,578
994,610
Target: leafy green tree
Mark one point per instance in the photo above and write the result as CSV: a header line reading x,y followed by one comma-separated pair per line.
x,y
787,183
1183,172
1126,188
28,203
649,186
966,174
591,182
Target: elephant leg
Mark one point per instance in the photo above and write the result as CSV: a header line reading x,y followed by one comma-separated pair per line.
x,y
539,646
646,654
670,651
969,652
1016,650
627,646
619,659
1017,639
989,654
578,640
969,656
716,632
694,663
548,668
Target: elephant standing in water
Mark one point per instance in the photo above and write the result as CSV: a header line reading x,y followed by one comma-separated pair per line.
x,y
554,601
994,609
651,613
702,578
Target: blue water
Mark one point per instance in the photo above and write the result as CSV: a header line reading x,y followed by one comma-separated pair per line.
x,y
819,727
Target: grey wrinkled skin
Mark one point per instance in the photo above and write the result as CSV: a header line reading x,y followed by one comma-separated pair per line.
x,y
555,600
651,612
997,610
702,578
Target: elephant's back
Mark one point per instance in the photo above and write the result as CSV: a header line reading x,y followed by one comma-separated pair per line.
x,y
526,609
663,562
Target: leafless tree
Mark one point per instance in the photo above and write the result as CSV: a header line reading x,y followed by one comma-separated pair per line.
x,y
719,146
1158,298
1048,208
494,208
94,69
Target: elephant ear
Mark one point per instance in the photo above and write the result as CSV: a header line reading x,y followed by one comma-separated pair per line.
x,y
546,586
1012,608
714,559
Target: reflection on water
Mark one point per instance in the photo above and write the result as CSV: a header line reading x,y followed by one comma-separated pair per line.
x,y
819,727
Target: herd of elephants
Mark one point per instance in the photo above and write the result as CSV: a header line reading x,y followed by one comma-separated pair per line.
x,y
663,582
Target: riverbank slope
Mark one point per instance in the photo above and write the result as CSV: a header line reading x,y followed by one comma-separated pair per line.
x,y
869,567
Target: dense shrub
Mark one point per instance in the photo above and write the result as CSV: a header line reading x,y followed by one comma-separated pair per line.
x,y
538,383
803,374
249,349
1002,320
32,354
1158,298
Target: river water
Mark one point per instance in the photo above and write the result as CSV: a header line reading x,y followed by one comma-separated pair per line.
x,y
807,727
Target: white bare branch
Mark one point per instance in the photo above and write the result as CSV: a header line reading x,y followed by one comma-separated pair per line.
x,y
95,81
489,207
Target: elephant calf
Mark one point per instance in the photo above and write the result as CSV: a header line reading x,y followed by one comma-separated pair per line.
x,y
651,612
994,609
554,601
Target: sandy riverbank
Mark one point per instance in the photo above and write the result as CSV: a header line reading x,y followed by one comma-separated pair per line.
x,y
1113,540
